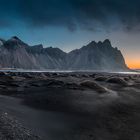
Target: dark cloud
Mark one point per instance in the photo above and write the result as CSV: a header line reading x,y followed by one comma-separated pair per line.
x,y
85,14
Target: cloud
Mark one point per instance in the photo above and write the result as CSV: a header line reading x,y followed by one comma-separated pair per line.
x,y
72,14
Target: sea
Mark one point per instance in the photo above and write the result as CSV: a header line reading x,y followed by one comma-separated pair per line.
x,y
68,71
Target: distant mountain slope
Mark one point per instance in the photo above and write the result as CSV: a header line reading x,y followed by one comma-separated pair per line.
x,y
14,53
97,56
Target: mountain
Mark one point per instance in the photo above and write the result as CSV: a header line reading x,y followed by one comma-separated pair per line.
x,y
14,53
97,56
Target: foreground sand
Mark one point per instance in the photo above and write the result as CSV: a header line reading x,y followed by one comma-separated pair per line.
x,y
85,106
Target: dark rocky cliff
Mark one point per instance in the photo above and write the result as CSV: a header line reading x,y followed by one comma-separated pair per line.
x,y
14,53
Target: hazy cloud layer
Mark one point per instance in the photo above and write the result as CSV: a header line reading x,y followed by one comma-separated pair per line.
x,y
72,14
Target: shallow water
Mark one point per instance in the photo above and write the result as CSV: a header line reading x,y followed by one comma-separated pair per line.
x,y
69,71
127,72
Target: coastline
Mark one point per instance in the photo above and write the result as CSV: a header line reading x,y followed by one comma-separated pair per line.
x,y
73,105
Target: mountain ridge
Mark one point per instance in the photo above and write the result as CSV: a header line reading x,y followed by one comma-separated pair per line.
x,y
14,53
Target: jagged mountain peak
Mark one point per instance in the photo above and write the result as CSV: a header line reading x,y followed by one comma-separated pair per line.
x,y
94,56
91,44
14,43
15,38
99,43
107,43
99,56
94,45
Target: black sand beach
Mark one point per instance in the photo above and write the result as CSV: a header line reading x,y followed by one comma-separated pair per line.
x,y
69,106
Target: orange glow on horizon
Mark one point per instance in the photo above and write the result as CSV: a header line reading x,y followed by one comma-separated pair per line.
x,y
132,58
133,64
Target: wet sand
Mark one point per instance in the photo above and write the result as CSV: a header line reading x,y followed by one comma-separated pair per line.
x,y
73,106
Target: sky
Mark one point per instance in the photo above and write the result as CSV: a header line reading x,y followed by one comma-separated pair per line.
x,y
70,24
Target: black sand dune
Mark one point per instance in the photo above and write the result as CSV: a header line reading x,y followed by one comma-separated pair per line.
x,y
69,106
